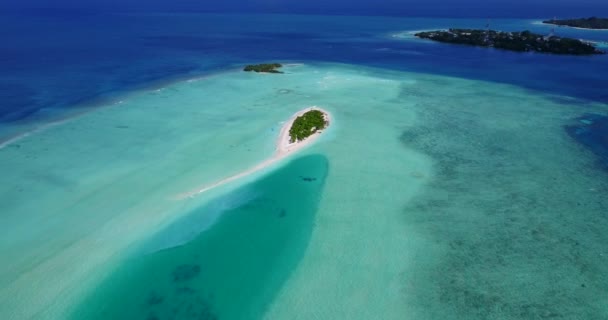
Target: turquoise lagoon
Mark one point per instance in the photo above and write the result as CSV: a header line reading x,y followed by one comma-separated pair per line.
x,y
429,197
232,270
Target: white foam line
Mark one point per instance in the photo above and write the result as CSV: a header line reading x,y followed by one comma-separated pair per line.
x,y
43,127
24,135
46,126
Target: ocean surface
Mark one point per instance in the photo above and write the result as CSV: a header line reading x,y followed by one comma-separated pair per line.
x,y
454,182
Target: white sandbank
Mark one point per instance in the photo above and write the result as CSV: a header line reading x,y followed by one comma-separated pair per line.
x,y
284,148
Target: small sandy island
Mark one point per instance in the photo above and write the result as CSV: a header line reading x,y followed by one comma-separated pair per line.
x,y
284,148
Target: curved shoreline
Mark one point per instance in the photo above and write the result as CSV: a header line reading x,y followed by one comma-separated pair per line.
x,y
94,105
284,148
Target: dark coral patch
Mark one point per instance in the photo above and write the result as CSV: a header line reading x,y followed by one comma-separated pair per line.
x,y
185,272
185,290
154,299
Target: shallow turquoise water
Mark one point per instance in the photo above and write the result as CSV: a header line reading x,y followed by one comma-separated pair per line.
x,y
447,198
231,270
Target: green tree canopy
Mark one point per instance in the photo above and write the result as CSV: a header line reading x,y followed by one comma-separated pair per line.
x,y
306,125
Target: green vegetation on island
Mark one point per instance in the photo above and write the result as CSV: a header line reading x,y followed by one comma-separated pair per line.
x,y
585,23
306,125
264,67
524,41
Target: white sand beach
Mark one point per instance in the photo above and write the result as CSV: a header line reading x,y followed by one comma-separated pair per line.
x,y
284,148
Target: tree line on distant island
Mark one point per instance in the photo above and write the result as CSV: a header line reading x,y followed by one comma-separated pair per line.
x,y
524,41
586,23
306,125
264,67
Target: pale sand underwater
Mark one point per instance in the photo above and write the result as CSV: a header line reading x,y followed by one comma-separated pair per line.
x,y
284,149
444,197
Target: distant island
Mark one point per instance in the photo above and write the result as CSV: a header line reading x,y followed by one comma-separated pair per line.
x,y
307,124
524,41
585,23
264,67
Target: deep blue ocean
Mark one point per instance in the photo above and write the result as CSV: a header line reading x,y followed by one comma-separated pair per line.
x,y
56,61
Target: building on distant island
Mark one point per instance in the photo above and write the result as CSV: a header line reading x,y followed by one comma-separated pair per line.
x,y
264,67
524,41
585,23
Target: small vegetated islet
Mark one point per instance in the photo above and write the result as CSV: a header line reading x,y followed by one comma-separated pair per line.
x,y
306,125
264,67
524,41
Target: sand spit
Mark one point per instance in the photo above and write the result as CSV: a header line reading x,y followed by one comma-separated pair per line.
x,y
284,148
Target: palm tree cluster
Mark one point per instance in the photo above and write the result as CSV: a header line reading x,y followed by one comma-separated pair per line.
x,y
306,125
